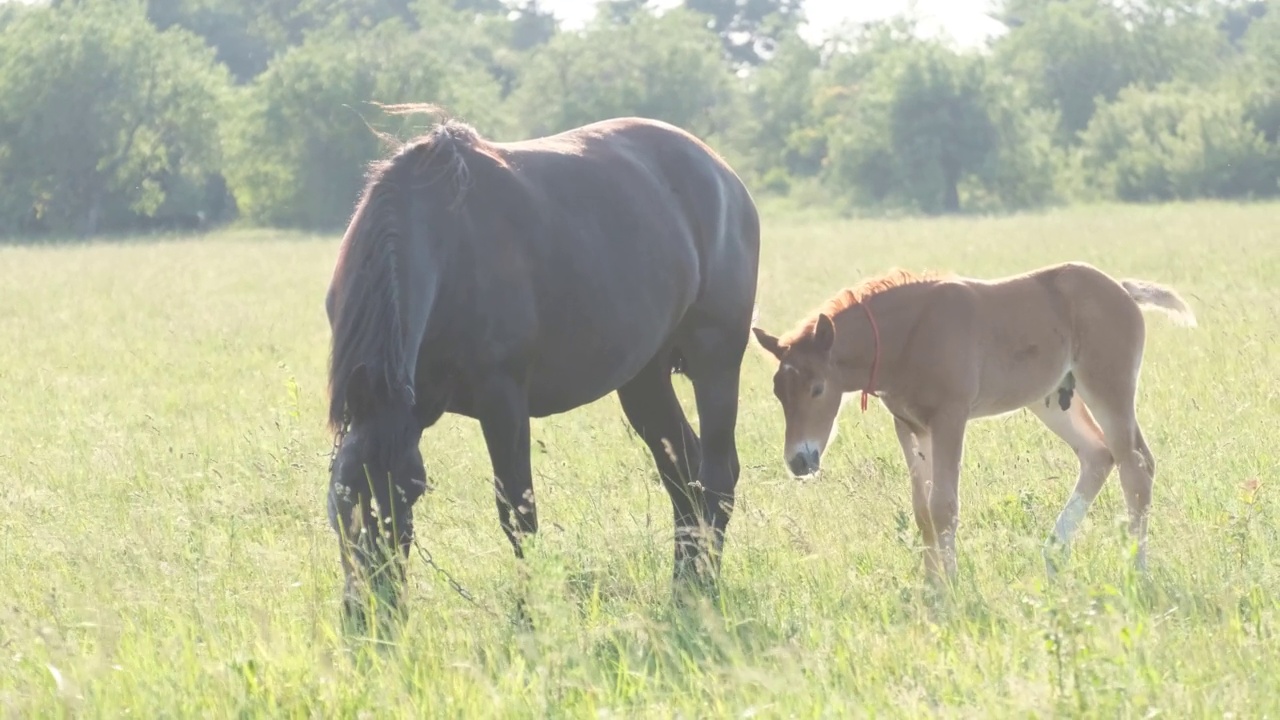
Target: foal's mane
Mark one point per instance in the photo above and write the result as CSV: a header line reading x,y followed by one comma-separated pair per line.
x,y
367,326
851,296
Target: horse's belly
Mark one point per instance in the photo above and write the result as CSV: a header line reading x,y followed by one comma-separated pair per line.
x,y
598,346
562,384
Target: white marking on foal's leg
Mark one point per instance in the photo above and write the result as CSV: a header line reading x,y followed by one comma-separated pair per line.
x,y
1069,519
1058,547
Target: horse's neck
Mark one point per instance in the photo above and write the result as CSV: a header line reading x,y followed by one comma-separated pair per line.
x,y
420,280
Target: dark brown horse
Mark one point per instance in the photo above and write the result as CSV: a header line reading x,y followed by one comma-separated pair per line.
x,y
504,281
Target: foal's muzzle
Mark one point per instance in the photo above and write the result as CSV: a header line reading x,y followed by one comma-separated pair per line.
x,y
804,462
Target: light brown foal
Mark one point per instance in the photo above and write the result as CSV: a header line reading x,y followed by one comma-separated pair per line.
x,y
1063,341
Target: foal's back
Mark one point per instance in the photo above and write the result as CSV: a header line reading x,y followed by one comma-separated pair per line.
x,y
1030,329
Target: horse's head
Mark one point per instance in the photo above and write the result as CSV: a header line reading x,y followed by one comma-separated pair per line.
x,y
376,477
806,385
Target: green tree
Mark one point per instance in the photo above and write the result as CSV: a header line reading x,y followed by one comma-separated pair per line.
x,y
749,29
103,119
917,126
621,12
299,143
778,130
1176,142
1260,73
1238,16
667,67
247,34
1025,168
1074,53
241,42
531,25
497,34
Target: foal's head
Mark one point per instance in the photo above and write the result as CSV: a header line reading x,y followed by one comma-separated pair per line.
x,y
806,385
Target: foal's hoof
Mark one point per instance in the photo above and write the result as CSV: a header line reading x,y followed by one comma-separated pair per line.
x,y
1055,554
1140,562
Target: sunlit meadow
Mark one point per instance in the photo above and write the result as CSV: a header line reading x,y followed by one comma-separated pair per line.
x,y
164,550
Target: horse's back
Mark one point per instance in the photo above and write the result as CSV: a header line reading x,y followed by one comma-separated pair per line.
x,y
645,181
722,219
625,229
705,192
640,153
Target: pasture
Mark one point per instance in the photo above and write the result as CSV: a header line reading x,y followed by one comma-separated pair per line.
x,y
164,550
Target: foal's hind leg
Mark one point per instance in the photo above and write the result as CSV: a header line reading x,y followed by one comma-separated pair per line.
x,y
1113,404
652,408
1077,428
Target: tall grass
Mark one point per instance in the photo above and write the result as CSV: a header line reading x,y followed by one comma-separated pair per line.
x,y
164,550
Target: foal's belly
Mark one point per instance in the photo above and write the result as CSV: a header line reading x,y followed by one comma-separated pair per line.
x,y
1014,384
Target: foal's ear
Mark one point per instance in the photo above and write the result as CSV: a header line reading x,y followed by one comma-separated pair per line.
x,y
359,391
824,334
768,342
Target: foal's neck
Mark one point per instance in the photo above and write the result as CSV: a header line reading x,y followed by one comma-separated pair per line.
x,y
856,347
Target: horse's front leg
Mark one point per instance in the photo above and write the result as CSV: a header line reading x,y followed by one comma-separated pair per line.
x,y
503,406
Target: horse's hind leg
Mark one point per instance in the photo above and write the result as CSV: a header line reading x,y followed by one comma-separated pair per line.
x,y
1076,426
651,406
714,358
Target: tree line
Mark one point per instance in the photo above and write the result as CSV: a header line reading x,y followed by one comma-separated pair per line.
x,y
126,115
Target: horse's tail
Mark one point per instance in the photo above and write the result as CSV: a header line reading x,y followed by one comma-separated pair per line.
x,y
1149,294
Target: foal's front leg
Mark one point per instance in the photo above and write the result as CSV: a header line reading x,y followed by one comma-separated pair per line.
x,y
918,452
504,419
947,434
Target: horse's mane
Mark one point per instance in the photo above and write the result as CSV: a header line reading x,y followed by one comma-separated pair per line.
x,y
367,326
850,296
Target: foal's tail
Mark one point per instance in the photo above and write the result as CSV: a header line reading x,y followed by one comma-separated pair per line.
x,y
1149,294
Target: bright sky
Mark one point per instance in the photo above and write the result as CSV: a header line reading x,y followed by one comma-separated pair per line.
x,y
964,20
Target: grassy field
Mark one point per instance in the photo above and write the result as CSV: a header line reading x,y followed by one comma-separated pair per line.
x,y
164,550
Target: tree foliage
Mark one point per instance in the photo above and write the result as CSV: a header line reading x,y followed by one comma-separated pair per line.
x,y
126,114
301,139
1074,53
665,67
750,29
1176,142
104,120
921,127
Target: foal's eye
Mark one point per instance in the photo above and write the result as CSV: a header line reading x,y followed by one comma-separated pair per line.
x,y
817,390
